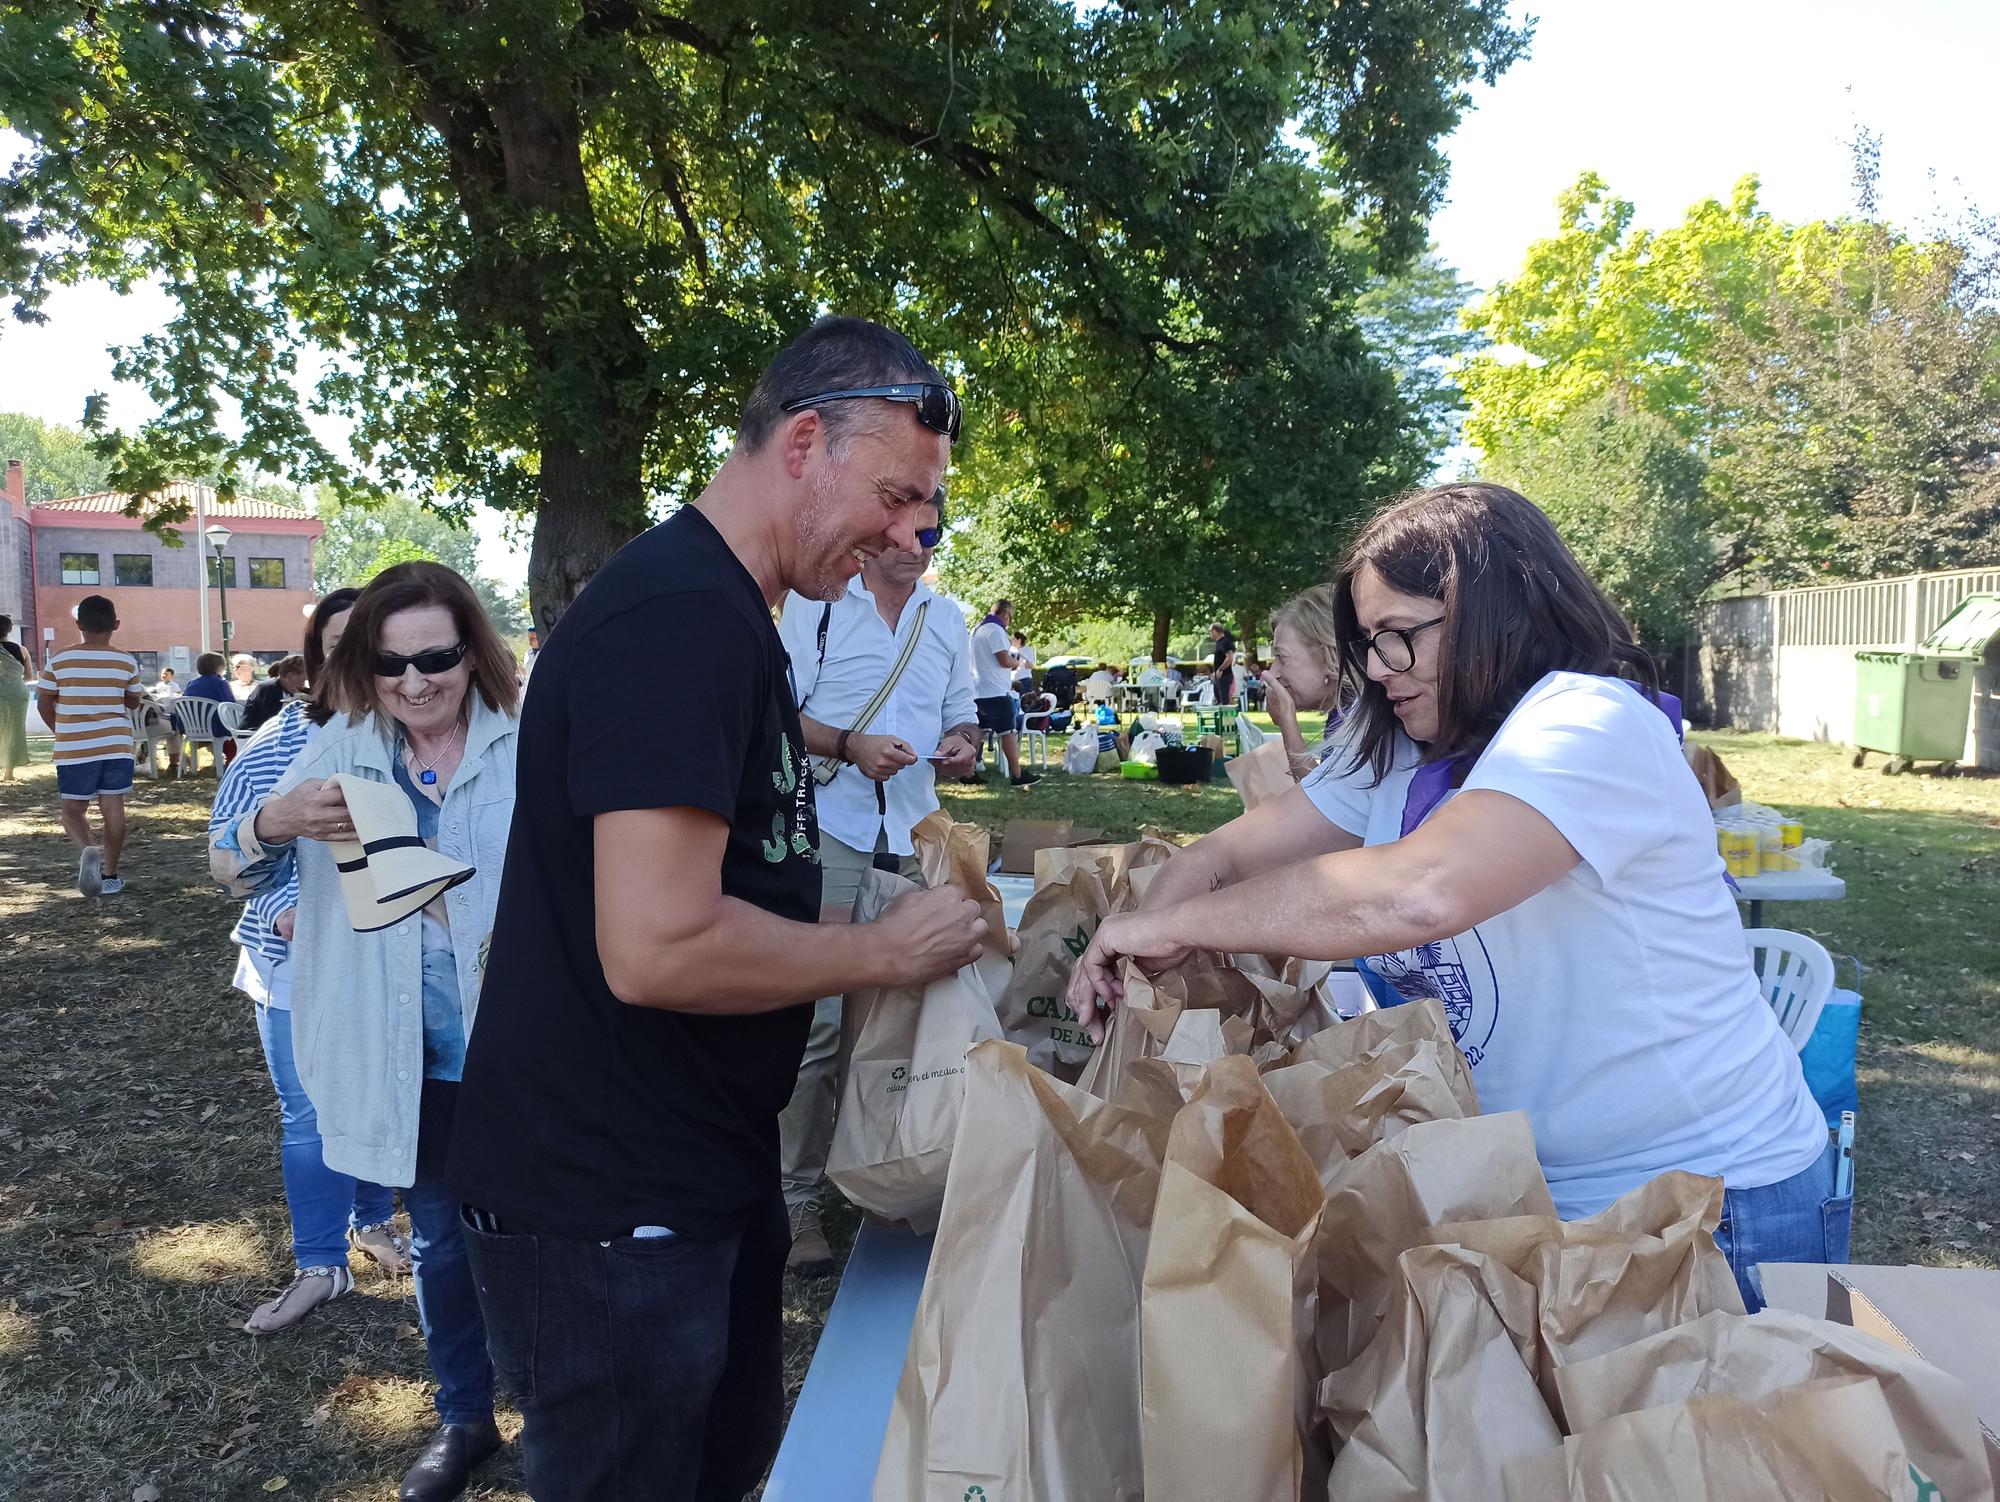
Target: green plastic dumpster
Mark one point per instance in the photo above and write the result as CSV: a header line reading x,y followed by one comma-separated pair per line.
x,y
1913,706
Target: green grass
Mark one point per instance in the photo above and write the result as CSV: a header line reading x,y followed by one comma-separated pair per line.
x,y
140,1209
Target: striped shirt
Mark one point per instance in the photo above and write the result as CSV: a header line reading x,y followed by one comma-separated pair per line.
x,y
92,722
258,766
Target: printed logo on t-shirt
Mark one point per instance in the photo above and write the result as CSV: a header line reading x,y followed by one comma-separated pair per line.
x,y
794,825
1462,980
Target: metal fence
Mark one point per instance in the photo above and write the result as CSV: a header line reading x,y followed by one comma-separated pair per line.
x,y
1733,662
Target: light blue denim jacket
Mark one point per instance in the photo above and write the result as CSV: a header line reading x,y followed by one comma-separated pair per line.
x,y
357,999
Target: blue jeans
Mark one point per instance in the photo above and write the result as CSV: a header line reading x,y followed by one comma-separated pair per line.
x,y
1799,1219
322,1202
447,1301
644,1367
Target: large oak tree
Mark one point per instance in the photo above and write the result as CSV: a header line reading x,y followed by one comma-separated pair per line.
x,y
548,243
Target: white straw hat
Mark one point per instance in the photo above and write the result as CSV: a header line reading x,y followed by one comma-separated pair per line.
x,y
387,872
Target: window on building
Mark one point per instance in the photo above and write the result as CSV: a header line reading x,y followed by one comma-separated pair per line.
x,y
149,666
80,568
134,570
221,570
267,573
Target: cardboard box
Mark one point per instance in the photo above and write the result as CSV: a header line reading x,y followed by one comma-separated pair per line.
x,y
1948,1316
1025,836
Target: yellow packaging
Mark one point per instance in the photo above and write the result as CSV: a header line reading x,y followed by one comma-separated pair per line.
x,y
1794,832
1771,852
1738,845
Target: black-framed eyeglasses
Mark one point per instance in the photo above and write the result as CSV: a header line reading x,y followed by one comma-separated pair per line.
x,y
937,406
1395,645
389,665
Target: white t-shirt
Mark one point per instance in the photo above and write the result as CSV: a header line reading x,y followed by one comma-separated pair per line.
x,y
1024,675
989,679
1617,1008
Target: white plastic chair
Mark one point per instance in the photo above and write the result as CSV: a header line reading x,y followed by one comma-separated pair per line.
x,y
1796,976
152,722
201,720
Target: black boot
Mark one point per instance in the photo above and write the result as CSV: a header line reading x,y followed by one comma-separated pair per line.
x,y
447,1461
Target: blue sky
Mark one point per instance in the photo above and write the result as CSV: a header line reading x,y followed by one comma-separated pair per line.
x,y
1670,104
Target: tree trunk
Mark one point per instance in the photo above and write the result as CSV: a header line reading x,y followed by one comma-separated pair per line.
x,y
1247,626
1163,621
592,505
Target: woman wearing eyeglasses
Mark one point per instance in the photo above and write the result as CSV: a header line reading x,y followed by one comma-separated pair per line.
x,y
1507,824
424,697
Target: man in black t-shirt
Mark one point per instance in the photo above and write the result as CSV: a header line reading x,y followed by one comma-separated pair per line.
x,y
652,969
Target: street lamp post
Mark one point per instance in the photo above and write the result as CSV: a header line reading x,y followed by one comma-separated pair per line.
x,y
218,540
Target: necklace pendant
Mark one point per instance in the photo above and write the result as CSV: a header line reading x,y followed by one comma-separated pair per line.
x,y
428,779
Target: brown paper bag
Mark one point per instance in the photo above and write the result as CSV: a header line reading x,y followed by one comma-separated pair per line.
x,y
1116,865
1751,1356
1444,1396
1827,1441
1056,928
1388,1199
1226,1309
955,854
1355,1039
1341,1113
1261,775
1022,1377
1646,1263
1146,1015
902,1074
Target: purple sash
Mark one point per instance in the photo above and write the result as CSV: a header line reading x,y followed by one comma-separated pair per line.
x,y
1434,779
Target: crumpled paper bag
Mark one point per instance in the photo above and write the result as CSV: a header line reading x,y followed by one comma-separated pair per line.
x,y
1828,1441
1341,1112
1117,866
1750,1356
1022,1376
1356,1038
1391,1197
1444,1396
1151,1008
1227,1301
1645,1263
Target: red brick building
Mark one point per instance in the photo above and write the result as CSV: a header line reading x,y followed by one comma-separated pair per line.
x,y
53,553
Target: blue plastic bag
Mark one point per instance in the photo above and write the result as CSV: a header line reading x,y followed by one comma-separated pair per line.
x,y
1828,1056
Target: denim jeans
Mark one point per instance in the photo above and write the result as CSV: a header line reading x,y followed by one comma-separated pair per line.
x,y
447,1302
1799,1219
645,1368
322,1203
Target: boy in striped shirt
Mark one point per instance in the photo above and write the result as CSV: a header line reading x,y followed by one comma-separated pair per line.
x,y
86,697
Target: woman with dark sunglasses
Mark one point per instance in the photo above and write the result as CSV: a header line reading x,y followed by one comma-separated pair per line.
x,y
1506,823
421,694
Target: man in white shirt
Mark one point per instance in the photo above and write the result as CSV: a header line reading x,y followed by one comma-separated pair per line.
x,y
994,663
843,654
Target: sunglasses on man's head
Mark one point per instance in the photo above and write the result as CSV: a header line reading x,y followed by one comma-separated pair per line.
x,y
389,665
937,406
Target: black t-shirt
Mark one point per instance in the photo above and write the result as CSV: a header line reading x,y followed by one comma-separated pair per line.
x,y
1223,645
581,1115
265,700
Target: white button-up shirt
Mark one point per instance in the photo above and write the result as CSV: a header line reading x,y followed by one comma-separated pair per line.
x,y
934,694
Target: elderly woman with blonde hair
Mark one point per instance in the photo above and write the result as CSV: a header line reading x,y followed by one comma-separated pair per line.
x,y
1304,674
